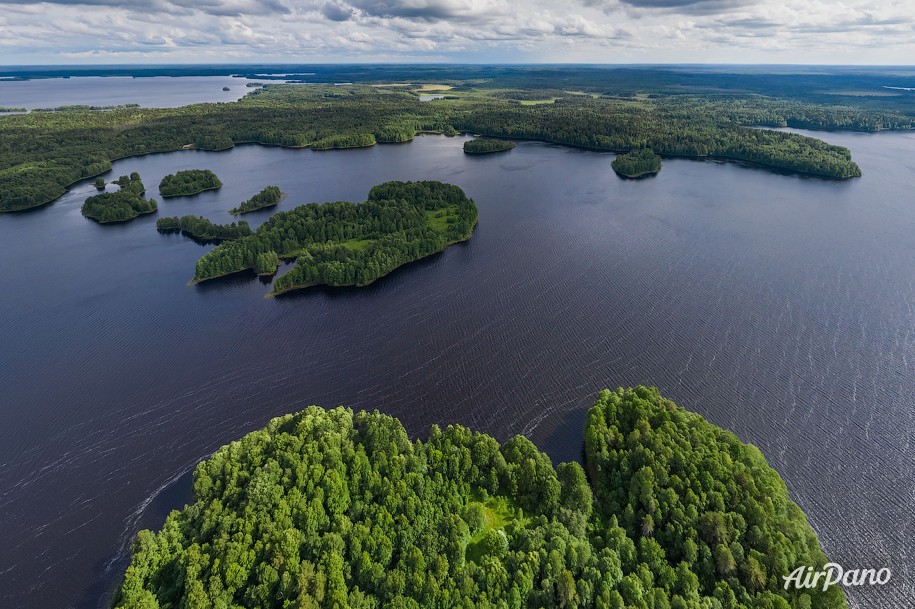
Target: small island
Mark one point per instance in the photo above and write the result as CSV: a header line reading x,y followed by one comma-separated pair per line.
x,y
349,244
100,183
268,197
638,163
485,146
189,182
226,89
202,230
121,205
335,508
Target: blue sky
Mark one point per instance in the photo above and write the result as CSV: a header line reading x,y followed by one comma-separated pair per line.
x,y
488,31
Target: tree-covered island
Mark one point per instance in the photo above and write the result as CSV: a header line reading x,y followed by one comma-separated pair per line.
x,y
485,146
637,163
202,230
341,510
346,244
268,197
189,182
121,205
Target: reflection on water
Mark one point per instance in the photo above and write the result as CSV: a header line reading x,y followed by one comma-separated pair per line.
x,y
778,306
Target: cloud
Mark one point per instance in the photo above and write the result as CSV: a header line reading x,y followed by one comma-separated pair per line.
x,y
335,12
592,31
432,10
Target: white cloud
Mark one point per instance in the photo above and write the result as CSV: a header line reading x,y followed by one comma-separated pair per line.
x,y
818,31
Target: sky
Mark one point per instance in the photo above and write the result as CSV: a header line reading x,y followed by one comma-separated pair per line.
x,y
472,31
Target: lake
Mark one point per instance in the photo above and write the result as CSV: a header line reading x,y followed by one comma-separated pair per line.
x,y
151,92
778,306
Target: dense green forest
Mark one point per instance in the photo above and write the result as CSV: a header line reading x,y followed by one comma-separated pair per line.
x,y
202,229
188,182
42,153
345,243
268,197
121,205
341,510
637,163
484,146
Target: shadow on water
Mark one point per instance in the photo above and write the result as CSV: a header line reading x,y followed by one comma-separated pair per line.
x,y
373,287
566,441
218,284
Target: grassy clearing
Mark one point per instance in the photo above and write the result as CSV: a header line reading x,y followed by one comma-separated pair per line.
x,y
585,93
538,102
358,244
438,219
434,87
499,514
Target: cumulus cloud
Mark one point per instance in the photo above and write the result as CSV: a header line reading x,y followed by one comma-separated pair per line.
x,y
594,31
336,12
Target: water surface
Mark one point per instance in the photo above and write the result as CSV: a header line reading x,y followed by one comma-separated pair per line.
x,y
151,92
778,306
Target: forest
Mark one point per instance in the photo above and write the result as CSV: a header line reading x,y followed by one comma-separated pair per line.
x,y
344,243
202,230
641,162
335,509
268,197
121,205
484,146
188,182
43,153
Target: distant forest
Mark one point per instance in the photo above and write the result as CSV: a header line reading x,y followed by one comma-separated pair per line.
x,y
41,154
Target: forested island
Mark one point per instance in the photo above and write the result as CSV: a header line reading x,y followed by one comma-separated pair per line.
x,y
335,509
268,197
349,244
189,182
202,230
485,146
122,205
42,154
637,163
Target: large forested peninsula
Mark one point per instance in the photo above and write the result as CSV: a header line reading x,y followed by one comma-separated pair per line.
x,y
331,509
121,205
343,243
42,153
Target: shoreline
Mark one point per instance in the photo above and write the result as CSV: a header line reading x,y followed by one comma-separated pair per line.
x,y
298,287
773,168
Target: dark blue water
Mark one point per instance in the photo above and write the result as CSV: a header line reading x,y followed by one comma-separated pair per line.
x,y
153,92
778,306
